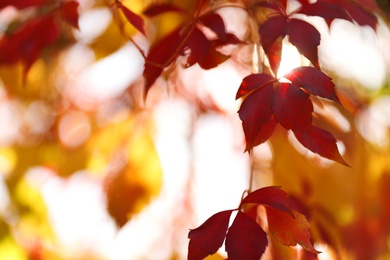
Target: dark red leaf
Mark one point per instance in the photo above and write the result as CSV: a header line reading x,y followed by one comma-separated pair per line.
x,y
255,113
341,9
245,239
292,107
199,46
325,9
306,38
24,45
208,237
271,34
214,22
321,142
132,18
228,39
22,4
274,55
212,58
290,230
272,196
314,81
161,55
252,82
69,12
157,9
203,51
272,29
359,14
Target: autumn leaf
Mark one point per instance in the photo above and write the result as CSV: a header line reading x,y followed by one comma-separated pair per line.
x,y
271,34
208,237
161,55
160,8
292,107
68,10
306,38
314,81
271,196
289,230
23,45
346,10
253,81
133,18
255,113
214,22
245,239
321,142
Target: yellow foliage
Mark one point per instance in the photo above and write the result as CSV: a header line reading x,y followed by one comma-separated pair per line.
x,y
9,249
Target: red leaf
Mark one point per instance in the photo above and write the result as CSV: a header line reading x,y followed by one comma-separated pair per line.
x,y
203,51
214,22
199,45
252,82
292,107
255,113
347,10
22,4
321,142
161,55
213,57
69,12
157,9
306,38
271,34
24,45
290,230
359,14
132,17
325,9
272,196
245,239
208,237
314,81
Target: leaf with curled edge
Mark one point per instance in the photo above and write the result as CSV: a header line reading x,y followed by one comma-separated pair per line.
x,y
136,20
314,81
306,38
271,34
245,238
321,142
292,107
255,113
160,8
290,230
69,12
271,196
208,237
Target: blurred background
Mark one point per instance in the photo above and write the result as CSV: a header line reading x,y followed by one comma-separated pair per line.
x,y
89,170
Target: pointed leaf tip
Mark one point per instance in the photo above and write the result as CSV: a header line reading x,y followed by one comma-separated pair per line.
x,y
321,142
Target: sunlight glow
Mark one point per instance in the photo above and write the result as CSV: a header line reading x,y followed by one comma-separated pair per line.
x,y
291,59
